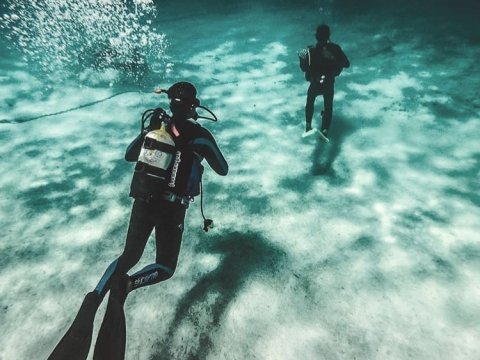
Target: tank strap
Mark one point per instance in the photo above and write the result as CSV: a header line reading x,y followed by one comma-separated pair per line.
x,y
150,170
150,143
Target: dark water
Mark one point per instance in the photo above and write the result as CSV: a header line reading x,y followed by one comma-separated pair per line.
x,y
363,248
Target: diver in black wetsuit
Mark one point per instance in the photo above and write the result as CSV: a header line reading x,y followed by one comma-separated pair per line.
x,y
321,65
164,210
161,197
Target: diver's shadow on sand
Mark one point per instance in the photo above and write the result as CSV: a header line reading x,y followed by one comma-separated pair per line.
x,y
200,312
325,154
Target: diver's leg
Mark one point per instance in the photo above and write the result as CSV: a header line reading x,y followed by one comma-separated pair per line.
x,y
309,107
328,108
104,283
168,234
75,344
112,335
149,275
169,241
139,229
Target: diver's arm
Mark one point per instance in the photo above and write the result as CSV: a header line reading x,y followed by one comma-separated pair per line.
x,y
206,147
343,58
133,150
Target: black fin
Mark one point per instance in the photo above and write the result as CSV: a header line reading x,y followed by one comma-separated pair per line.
x,y
75,344
111,338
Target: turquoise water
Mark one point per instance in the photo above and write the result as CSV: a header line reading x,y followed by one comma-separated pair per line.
x,y
363,248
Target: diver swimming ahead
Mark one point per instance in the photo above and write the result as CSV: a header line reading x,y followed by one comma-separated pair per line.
x,y
321,64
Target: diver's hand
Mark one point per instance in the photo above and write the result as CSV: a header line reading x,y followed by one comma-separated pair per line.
x,y
302,54
159,116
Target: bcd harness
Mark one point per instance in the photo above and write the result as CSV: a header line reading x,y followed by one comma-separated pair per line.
x,y
161,161
319,62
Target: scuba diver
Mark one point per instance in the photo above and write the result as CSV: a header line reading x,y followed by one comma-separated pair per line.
x,y
168,155
321,64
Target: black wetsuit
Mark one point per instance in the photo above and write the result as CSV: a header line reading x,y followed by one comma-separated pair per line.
x,y
326,62
165,216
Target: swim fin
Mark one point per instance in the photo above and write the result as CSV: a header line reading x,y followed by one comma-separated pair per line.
x,y
323,136
111,338
310,133
75,344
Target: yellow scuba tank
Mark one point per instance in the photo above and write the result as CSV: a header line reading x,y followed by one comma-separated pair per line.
x,y
154,166
154,152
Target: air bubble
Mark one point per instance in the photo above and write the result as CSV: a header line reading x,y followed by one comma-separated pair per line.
x,y
98,35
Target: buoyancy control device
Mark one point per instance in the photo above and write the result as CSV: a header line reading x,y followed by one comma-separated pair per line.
x,y
160,158
317,61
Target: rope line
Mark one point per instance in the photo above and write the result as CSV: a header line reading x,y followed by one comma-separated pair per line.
x,y
23,120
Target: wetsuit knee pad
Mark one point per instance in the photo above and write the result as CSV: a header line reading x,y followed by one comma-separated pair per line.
x,y
150,275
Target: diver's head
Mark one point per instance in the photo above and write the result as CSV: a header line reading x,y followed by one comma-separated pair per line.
x,y
183,100
323,33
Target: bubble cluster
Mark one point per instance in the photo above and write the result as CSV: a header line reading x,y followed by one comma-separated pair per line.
x,y
67,37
